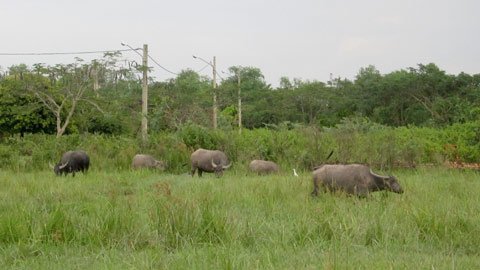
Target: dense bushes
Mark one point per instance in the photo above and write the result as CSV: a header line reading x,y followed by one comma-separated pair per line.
x,y
356,140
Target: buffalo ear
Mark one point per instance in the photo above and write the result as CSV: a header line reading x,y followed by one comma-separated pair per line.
x,y
386,182
392,179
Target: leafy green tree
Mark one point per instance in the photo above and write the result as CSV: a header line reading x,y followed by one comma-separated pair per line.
x,y
62,93
396,107
285,84
19,110
252,87
436,92
314,102
367,90
184,99
105,96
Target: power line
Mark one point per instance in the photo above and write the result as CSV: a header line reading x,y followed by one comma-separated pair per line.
x,y
210,64
153,60
66,53
91,52
200,70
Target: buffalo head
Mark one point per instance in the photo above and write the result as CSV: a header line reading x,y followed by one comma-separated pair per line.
x,y
391,184
219,168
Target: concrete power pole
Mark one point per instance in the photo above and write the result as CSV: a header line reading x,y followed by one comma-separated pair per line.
x,y
145,93
214,86
214,93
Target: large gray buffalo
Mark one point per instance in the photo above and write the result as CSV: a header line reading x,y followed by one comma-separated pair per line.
x,y
263,166
209,161
353,179
71,162
147,161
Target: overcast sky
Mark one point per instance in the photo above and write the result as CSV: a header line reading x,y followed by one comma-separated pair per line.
x,y
306,39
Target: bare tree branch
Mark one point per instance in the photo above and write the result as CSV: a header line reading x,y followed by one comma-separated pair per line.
x,y
426,106
52,106
93,104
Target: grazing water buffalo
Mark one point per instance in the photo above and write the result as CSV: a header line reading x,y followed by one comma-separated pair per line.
x,y
263,166
209,161
354,179
147,161
71,162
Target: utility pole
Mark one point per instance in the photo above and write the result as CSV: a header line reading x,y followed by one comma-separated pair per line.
x,y
214,93
239,103
145,93
214,86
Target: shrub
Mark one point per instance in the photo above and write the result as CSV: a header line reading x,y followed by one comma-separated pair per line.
x,y
301,148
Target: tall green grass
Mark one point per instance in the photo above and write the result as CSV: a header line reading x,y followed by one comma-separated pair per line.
x,y
146,220
301,148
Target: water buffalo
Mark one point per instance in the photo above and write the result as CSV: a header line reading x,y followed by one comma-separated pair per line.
x,y
71,162
263,167
147,161
353,179
209,161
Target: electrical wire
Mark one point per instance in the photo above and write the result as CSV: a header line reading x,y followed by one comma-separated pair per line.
x,y
200,70
208,63
95,52
66,53
153,60
221,78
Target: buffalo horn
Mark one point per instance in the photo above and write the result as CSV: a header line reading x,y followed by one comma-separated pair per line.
x,y
63,165
227,166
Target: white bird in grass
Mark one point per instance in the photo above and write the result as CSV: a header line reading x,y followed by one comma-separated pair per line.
x,y
295,173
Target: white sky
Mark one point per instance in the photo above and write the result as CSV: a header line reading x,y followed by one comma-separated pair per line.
x,y
306,39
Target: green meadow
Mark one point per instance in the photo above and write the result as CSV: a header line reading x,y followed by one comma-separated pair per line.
x,y
149,220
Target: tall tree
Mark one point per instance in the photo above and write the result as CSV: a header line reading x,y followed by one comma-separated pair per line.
x,y
186,98
368,89
19,110
432,90
252,88
61,94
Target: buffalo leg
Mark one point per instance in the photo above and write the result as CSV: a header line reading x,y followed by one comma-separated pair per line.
x,y
315,188
200,173
193,171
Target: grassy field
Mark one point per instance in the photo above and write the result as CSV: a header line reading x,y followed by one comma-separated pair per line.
x,y
143,220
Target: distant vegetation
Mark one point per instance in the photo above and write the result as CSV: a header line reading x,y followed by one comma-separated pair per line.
x,y
414,115
104,96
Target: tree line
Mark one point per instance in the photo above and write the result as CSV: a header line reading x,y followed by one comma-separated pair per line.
x,y
104,96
